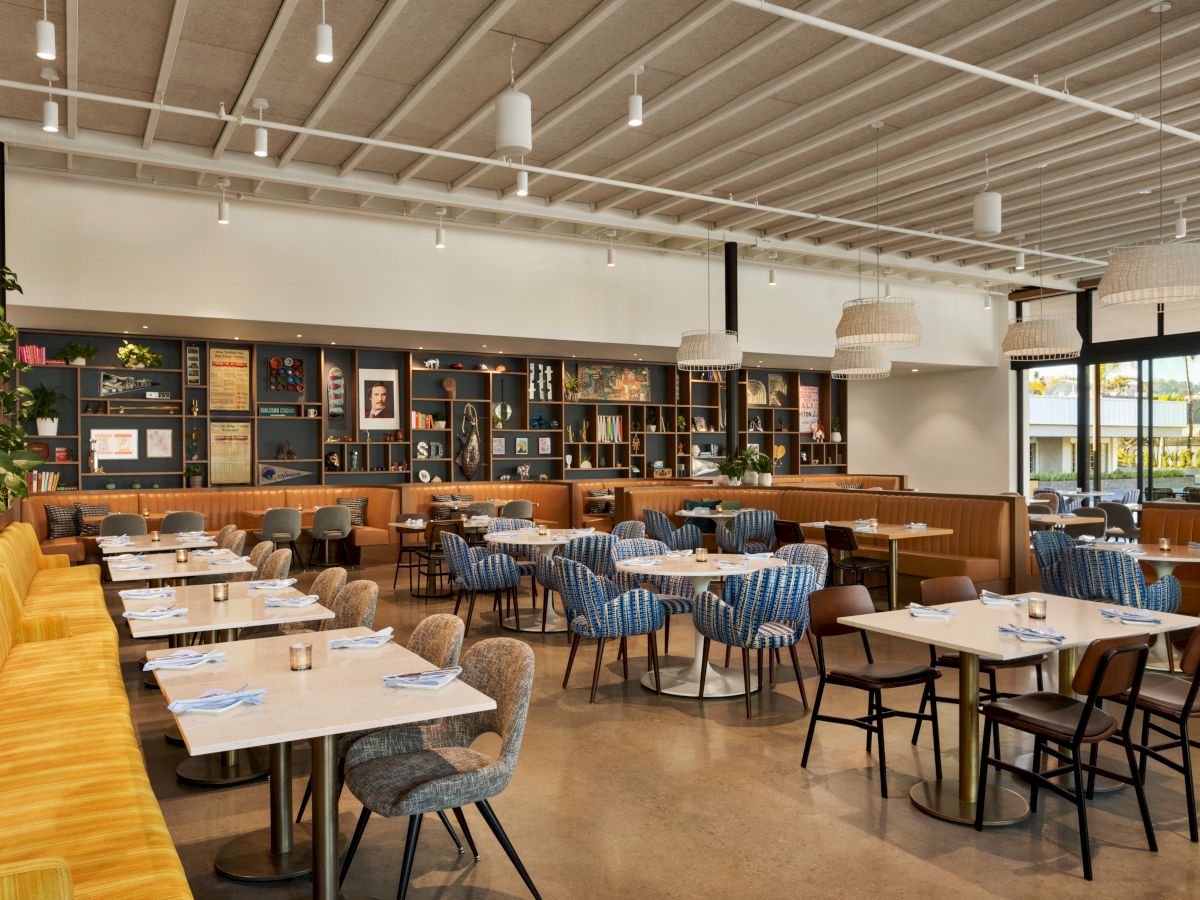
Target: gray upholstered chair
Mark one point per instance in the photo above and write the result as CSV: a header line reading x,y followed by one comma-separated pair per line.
x,y
278,564
353,606
235,542
482,508
1121,524
122,523
258,557
281,525
629,530
330,523
517,509
1097,530
180,520
1049,498
410,772
325,586
1039,509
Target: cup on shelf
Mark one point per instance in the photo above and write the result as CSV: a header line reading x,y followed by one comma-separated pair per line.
x,y
220,592
1037,607
300,657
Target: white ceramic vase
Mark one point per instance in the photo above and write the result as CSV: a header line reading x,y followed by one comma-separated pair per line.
x,y
836,437
765,479
750,479
47,427
79,361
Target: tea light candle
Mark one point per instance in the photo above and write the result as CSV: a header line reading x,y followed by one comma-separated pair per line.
x,y
146,513
543,530
220,592
154,536
1164,544
874,523
300,657
181,555
1037,607
702,555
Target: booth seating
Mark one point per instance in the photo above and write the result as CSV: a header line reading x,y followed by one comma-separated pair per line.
x,y
581,518
835,482
984,546
1180,522
549,497
220,507
77,814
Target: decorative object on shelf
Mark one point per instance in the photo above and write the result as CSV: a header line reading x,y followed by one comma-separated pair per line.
x,y
312,412
585,461
543,477
600,461
570,388
835,434
285,374
354,464
523,471
500,369
583,429
538,421
110,484
756,393
699,423
159,443
541,384
378,390
867,363
759,465
111,383
432,363
138,356
437,449
229,381
439,421
481,367
544,446
818,431
424,476
680,424
456,365
450,386
503,411
731,468
470,453
604,381
499,446
567,460
136,485
40,449
803,457
115,443
92,460
637,444
195,408
333,461
521,446
777,390
195,476
779,423
506,478
335,392
756,424
285,451
192,365
43,408
75,354
570,435
279,412
422,450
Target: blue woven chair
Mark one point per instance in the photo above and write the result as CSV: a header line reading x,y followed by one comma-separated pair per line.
x,y
676,593
752,531
659,528
598,609
767,615
629,530
594,550
1050,550
527,565
1115,576
480,571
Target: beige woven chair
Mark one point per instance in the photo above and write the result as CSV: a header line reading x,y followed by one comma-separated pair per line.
x,y
224,534
1049,498
258,557
278,564
325,586
353,606
235,542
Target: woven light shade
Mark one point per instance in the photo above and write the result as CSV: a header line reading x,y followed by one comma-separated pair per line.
x,y
1051,337
883,321
860,363
1152,273
703,351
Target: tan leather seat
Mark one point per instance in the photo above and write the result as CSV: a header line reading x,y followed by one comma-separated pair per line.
x,y
1051,715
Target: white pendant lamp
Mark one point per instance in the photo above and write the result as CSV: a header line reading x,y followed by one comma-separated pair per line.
x,y
222,204
986,221
260,133
324,39
1019,260
708,350
771,271
50,105
439,236
514,116
45,35
1180,220
612,250
867,363
522,183
635,99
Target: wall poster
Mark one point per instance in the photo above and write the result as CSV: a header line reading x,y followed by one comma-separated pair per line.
x,y
229,453
808,397
602,381
228,379
115,443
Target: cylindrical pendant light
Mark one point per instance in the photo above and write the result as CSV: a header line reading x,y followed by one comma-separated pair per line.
x,y
324,39
50,115
1020,261
612,257
860,363
45,37
635,110
987,214
439,238
222,211
522,183
514,123
771,277
260,141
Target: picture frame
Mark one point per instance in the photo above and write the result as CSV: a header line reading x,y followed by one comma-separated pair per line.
x,y
544,447
115,443
158,443
378,399
699,423
499,446
521,446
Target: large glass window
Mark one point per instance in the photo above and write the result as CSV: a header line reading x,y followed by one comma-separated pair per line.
x,y
1175,448
1052,398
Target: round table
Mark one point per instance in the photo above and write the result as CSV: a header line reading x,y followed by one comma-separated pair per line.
x,y
544,545
711,515
684,681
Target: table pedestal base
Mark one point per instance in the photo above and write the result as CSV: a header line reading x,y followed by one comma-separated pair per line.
x,y
940,799
531,621
684,681
220,769
249,857
172,735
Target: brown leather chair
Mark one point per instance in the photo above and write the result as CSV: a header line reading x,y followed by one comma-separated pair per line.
x,y
960,589
842,544
1173,700
1111,668
825,608
1098,530
788,532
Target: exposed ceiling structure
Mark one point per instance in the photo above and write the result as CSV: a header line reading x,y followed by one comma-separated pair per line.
x,y
740,104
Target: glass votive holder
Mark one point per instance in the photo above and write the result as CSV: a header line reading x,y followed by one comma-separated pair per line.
x,y
220,592
155,537
146,513
1164,544
300,657
1037,607
543,530
181,555
874,523
701,554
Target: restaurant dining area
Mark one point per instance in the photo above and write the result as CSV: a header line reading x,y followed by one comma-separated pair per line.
x,y
597,448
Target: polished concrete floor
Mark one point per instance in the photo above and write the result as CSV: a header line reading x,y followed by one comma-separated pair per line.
x,y
659,797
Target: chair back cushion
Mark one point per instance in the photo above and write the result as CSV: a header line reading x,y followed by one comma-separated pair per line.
x,y
947,589
840,538
331,522
122,523
828,605
1092,677
182,520
281,523
438,639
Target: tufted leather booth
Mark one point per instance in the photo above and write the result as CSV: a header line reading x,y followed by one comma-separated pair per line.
x,y
1180,522
550,497
833,482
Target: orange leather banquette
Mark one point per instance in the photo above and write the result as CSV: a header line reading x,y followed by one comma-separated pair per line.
x,y
220,507
1180,522
579,496
983,546
887,482
551,498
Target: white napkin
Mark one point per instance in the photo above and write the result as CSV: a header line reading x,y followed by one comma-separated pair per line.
x,y
272,584
415,523
1194,545
215,551
915,525
128,566
232,561
680,553
929,612
427,681
1132,616
480,518
306,600
125,557
1031,635
871,528
1136,552
818,524
581,531
218,700
722,564
862,521
988,598
502,534
645,561
145,593
157,612
766,555
1087,538
378,639
183,659
113,539
190,536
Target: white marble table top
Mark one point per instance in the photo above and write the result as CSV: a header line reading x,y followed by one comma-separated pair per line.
x,y
1179,553
245,608
690,567
530,536
163,565
141,543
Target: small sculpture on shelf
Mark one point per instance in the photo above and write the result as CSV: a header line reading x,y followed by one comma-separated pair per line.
x,y
354,465
637,444
570,435
195,410
285,451
333,461
433,364
523,471
779,423
756,423
818,431
583,431
93,465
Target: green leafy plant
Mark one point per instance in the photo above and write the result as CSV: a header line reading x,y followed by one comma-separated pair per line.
x,y
756,461
837,426
43,403
132,355
732,466
76,351
680,423
15,461
193,471
571,383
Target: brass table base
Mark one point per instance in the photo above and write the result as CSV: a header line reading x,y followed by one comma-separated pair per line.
x,y
940,799
218,769
248,857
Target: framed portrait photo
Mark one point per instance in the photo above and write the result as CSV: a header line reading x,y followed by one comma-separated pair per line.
x,y
378,399
522,446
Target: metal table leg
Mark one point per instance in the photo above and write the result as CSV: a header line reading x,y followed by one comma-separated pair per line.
x,y
893,574
325,808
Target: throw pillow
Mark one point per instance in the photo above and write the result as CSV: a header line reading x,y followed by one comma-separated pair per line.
x,y
357,507
441,498
61,521
89,509
599,507
468,498
600,492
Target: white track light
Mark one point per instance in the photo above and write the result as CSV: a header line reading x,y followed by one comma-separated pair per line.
x,y
439,236
635,99
514,115
50,105
1020,261
522,183
612,250
260,133
324,39
1181,221
45,36
223,204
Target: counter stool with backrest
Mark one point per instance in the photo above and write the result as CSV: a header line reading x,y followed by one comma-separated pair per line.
x,y
517,509
1121,524
181,520
115,524
825,608
788,531
430,557
629,530
258,558
842,545
281,525
330,524
1110,669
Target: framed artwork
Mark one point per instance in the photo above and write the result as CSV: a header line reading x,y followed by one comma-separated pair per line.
x,y
499,446
777,390
228,379
115,443
112,383
378,394
521,446
602,381
544,446
193,365
699,423
756,393
229,452
158,443
809,399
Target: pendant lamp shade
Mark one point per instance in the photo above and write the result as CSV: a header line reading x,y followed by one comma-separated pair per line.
x,y
884,321
50,115
986,220
324,42
45,39
1050,337
703,351
867,363
1151,273
514,124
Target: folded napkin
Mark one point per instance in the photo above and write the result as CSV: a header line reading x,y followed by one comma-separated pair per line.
x,y
125,557
113,539
645,561
701,511
1066,515
231,561
190,536
862,521
428,681
1032,635
378,639
415,523
867,528
818,524
990,598
580,531
766,555
272,584
125,566
929,612
145,593
214,551
1194,545
722,564
157,612
915,525
503,534
218,700
306,600
1132,615
1087,538
480,518
183,659
1137,552
680,553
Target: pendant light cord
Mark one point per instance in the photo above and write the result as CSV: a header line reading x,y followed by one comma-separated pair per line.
x,y
512,71
1041,249
877,233
708,272
1161,220
322,12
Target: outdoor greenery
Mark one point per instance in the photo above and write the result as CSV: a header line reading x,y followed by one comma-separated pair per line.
x,y
15,460
1114,475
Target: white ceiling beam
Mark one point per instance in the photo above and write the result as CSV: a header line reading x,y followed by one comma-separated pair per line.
x,y
250,86
71,11
170,48
467,41
615,75
387,16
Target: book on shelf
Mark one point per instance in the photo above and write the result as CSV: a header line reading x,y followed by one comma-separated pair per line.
x,y
609,429
41,482
32,354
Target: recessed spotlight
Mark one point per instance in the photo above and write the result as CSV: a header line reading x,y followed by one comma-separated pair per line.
x,y
334,343
236,338
420,348
484,346
1144,191
299,335
916,370
145,326
126,331
572,356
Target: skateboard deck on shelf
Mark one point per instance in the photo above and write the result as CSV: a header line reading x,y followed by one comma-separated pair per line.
x,y
336,393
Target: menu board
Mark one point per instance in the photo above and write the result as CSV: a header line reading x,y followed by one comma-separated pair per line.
x,y
229,453
228,378
809,399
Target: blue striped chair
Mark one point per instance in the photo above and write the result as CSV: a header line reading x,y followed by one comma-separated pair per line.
x,y
593,550
659,527
752,531
629,530
481,571
674,592
1115,576
526,564
768,614
598,609
1050,550
543,573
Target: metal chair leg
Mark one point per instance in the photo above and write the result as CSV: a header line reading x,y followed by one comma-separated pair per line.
x,y
489,816
350,851
450,830
652,648
799,675
410,851
462,823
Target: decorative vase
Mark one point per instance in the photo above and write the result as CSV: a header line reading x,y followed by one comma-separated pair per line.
x,y
79,361
47,427
195,481
750,479
735,482
585,464
836,437
567,459
765,479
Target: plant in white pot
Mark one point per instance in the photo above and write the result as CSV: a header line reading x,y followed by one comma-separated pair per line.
x,y
138,356
44,409
732,469
836,434
759,464
74,354
15,461
195,476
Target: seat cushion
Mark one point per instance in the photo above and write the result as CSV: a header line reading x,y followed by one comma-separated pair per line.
x,y
424,781
884,674
1049,714
1166,694
367,536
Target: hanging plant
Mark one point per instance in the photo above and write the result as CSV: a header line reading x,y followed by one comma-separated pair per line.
x,y
138,356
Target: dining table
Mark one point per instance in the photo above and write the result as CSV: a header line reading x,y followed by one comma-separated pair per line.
x,y
1062,520
342,692
684,680
145,543
544,544
973,630
1162,561
160,567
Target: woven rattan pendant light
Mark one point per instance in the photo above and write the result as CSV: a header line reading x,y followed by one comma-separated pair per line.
x,y
708,350
866,363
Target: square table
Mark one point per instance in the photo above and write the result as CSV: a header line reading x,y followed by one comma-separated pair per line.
x,y
1058,520
141,543
341,693
973,633
164,566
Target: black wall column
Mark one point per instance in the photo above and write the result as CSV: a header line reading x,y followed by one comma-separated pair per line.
x,y
731,324
3,236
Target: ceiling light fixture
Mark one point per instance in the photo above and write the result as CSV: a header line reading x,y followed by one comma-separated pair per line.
x,y
439,236
50,105
1180,220
324,39
260,133
771,271
522,181
1162,272
514,115
222,204
635,99
612,251
987,296
987,206
708,350
1019,263
865,363
45,35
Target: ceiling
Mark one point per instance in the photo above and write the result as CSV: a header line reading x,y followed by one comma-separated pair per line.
x,y
739,103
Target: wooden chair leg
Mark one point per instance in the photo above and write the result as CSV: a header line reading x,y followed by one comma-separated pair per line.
x,y
596,672
571,658
746,679
799,675
470,612
666,635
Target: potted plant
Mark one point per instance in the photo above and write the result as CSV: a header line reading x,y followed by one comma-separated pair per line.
x,y
43,407
732,468
15,461
195,476
571,386
759,464
76,354
138,356
836,434
585,459
681,424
